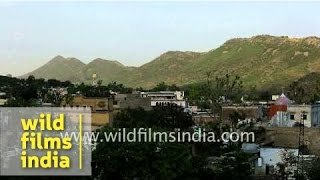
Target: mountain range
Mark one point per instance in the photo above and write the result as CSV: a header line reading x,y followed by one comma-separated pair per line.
x,y
261,61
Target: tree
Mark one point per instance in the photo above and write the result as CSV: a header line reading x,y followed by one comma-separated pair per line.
x,y
218,91
235,116
313,170
145,160
161,87
233,166
99,83
285,169
165,117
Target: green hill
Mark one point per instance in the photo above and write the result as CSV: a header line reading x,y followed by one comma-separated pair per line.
x,y
59,68
106,70
263,61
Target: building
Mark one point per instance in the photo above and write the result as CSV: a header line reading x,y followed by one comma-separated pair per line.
x,y
285,114
165,98
101,109
290,115
280,104
281,119
273,109
315,113
274,97
123,101
270,157
298,112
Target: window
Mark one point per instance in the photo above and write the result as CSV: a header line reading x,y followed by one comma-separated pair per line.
x,y
291,116
304,117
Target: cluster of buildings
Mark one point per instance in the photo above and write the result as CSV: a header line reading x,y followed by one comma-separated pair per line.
x,y
104,108
280,116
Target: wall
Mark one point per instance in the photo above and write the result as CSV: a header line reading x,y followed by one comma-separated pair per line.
x,y
101,109
100,118
135,102
274,109
289,138
251,112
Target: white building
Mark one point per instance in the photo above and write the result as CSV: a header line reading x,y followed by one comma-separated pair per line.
x,y
294,114
270,157
165,98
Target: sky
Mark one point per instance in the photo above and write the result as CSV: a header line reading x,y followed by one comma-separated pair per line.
x,y
134,33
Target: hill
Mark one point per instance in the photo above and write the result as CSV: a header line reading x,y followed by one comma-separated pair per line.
x,y
106,70
262,61
59,68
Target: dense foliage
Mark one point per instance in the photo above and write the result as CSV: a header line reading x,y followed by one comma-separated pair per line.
x,y
164,160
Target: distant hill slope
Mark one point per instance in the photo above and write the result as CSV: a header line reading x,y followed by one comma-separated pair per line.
x,y
59,68
261,60
168,67
106,70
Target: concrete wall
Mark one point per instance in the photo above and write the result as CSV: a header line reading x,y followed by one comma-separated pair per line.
x,y
100,118
96,104
251,112
289,138
123,101
135,102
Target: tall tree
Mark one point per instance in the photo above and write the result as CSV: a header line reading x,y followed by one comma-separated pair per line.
x,y
219,90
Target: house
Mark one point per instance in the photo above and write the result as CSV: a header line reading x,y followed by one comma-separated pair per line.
x,y
101,108
166,98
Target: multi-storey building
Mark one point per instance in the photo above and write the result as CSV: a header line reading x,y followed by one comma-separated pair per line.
x,y
165,98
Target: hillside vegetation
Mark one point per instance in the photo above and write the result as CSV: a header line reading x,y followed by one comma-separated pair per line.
x,y
261,61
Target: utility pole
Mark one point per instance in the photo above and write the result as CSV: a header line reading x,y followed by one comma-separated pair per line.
x,y
301,149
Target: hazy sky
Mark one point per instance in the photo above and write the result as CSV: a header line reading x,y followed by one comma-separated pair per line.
x,y
136,32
